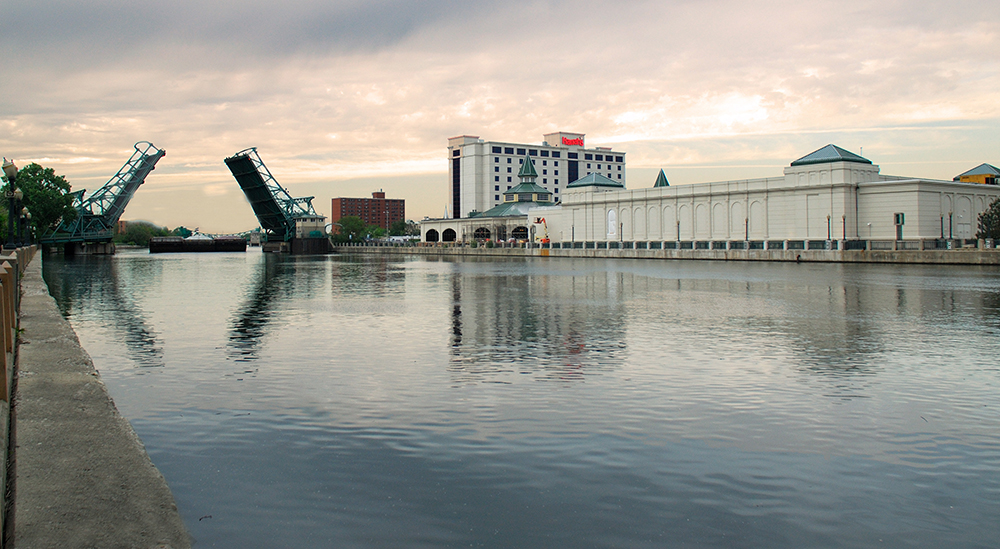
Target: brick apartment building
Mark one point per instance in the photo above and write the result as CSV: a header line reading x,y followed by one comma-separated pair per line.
x,y
377,210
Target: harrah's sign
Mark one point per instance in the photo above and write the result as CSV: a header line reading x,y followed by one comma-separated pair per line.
x,y
578,141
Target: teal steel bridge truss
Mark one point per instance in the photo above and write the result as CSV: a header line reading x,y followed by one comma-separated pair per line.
x,y
97,215
275,209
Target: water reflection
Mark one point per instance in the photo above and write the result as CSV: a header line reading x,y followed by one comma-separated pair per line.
x,y
250,323
113,287
570,403
534,323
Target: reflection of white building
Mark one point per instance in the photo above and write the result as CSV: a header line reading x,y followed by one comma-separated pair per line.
x,y
830,194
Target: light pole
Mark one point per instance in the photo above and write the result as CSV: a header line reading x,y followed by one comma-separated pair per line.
x,y
22,232
10,170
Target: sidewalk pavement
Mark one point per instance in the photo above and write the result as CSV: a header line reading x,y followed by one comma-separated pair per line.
x,y
83,476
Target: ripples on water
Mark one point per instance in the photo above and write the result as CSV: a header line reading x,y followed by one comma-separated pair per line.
x,y
355,401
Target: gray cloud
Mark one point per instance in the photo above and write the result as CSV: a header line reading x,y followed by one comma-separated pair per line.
x,y
338,94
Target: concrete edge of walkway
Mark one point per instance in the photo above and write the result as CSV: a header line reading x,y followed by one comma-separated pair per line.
x,y
84,478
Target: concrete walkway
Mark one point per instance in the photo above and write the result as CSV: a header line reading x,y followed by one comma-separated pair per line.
x,y
83,476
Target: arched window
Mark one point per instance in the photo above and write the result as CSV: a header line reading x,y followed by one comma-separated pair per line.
x,y
448,235
482,233
432,236
519,233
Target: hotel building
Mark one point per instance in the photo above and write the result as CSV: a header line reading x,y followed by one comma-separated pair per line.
x,y
828,195
479,172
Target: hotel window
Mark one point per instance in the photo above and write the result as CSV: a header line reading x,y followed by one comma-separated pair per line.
x,y
619,159
496,187
556,163
545,172
557,189
508,150
557,172
545,162
545,153
508,161
598,166
520,161
619,176
588,165
555,154
496,149
496,178
556,181
456,152
508,186
496,168
533,152
520,152
588,157
572,155
496,197
496,159
508,180
545,181
619,168
508,169
599,157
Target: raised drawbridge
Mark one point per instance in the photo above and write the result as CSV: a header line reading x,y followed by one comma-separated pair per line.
x,y
276,210
98,214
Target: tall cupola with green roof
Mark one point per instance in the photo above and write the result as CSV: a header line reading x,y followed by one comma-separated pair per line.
x,y
527,190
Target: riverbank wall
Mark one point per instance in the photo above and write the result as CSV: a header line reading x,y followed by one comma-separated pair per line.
x,y
12,264
955,256
83,478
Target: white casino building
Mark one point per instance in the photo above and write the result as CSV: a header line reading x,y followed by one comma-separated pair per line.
x,y
480,171
828,195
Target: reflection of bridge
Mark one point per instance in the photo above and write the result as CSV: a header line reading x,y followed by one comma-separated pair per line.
x,y
282,217
97,215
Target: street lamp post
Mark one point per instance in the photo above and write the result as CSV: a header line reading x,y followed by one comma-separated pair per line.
x,y
10,170
22,233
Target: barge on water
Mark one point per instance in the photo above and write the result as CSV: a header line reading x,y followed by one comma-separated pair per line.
x,y
197,243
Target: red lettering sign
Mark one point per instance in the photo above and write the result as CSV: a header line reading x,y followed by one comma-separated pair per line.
x,y
577,141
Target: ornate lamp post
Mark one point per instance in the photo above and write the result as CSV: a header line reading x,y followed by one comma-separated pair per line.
x,y
10,170
22,237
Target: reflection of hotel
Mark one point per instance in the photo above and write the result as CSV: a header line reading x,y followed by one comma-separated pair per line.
x,y
480,171
828,195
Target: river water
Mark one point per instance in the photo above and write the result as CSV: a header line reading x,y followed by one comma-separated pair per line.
x,y
369,401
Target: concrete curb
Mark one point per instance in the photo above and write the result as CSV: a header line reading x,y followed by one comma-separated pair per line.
x,y
83,476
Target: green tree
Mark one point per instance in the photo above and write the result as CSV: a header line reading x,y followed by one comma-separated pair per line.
x,y
352,229
139,232
398,228
182,232
46,195
989,222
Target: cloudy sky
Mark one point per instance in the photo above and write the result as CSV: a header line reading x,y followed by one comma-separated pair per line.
x,y
344,97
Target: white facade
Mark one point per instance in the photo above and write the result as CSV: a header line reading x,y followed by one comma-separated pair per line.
x,y
838,200
480,171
